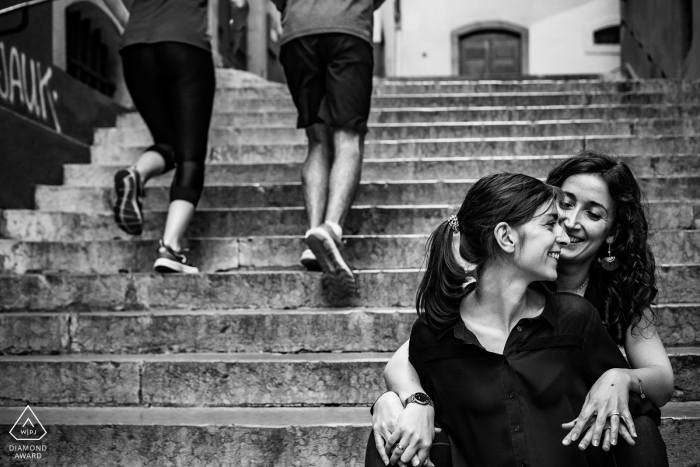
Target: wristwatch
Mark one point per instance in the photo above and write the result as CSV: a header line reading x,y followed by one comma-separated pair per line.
x,y
419,398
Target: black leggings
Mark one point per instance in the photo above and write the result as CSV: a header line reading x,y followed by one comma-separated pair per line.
x,y
172,85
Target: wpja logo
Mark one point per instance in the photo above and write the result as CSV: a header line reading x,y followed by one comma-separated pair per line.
x,y
28,428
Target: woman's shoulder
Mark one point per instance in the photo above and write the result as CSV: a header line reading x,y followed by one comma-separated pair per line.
x,y
571,307
423,335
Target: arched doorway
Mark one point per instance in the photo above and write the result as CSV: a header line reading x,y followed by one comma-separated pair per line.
x,y
490,50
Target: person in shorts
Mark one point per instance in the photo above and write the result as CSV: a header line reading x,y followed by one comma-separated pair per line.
x,y
328,60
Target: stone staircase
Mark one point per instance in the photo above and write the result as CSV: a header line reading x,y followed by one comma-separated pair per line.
x,y
249,363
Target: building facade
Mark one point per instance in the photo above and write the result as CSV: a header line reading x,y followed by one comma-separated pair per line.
x,y
498,39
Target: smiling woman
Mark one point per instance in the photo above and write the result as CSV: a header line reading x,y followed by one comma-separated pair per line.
x,y
503,360
604,218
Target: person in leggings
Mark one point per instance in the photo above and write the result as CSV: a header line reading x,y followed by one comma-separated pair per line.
x,y
169,71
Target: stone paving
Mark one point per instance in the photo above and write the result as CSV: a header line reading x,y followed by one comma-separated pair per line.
x,y
250,363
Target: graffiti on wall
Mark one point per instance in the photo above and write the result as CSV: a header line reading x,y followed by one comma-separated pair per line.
x,y
25,86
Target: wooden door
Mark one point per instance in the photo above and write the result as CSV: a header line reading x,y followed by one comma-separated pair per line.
x,y
490,55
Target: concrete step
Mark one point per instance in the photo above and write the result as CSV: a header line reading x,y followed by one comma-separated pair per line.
x,y
433,168
245,437
225,254
259,330
221,136
227,101
453,84
420,148
421,86
225,437
226,195
279,289
227,379
288,117
199,380
29,225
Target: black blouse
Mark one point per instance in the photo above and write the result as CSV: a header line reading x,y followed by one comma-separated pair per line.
x,y
507,410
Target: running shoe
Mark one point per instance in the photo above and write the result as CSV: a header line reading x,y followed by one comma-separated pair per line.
x,y
326,246
170,260
127,209
309,261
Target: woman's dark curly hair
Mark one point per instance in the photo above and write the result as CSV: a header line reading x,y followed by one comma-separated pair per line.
x,y
628,291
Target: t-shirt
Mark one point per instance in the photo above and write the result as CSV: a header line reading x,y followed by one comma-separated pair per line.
x,y
306,17
152,21
507,410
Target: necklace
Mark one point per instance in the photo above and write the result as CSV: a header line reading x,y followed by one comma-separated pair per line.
x,y
582,286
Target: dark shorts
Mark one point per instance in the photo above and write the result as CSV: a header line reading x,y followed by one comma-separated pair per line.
x,y
330,78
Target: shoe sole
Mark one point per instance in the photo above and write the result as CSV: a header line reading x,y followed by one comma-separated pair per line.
x,y
165,266
338,274
127,212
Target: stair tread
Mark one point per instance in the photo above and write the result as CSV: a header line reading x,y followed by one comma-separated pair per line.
x,y
242,416
242,357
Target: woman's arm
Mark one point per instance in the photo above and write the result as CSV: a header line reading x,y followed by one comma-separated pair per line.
x,y
400,376
609,395
118,9
650,363
414,427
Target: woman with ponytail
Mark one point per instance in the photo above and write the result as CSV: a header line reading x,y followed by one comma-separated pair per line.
x,y
609,262
502,358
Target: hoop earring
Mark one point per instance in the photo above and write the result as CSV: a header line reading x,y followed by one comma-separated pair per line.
x,y
610,262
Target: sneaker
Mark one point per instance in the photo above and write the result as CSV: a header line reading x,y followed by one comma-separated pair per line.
x,y
309,261
127,209
326,246
170,260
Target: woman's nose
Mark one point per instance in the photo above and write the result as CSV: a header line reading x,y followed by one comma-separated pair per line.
x,y
562,237
571,218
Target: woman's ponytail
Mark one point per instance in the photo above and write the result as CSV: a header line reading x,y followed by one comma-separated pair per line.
x,y
441,289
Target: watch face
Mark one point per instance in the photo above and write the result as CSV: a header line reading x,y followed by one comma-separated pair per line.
x,y
421,398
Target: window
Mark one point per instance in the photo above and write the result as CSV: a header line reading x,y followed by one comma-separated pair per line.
x,y
609,35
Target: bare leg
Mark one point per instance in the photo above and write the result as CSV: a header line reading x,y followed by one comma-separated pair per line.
x,y
180,214
315,173
149,165
345,174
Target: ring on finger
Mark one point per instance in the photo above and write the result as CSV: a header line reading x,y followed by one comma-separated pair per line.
x,y
615,413
399,447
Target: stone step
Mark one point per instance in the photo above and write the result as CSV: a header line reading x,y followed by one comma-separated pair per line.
x,y
275,288
433,168
395,192
228,379
30,225
227,437
456,85
288,117
245,437
419,86
260,330
222,136
420,148
225,254
227,101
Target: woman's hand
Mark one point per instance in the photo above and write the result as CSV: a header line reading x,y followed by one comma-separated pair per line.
x,y
414,432
384,416
608,398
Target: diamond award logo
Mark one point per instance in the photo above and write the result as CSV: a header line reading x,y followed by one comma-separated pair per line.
x,y
28,427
